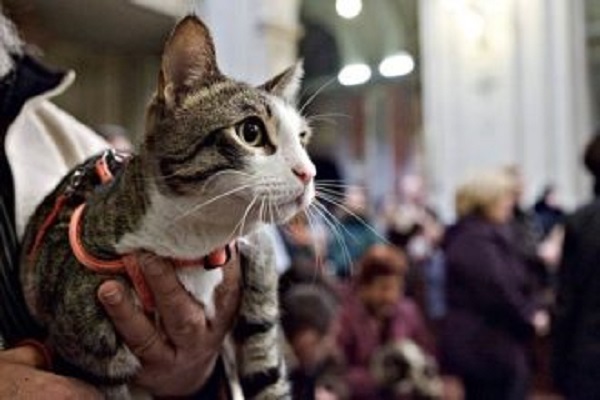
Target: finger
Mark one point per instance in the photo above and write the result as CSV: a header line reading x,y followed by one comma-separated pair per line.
x,y
183,318
25,355
138,332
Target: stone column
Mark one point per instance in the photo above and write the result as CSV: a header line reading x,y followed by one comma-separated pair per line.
x,y
504,82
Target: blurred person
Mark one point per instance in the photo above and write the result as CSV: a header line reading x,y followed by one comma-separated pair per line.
x,y
416,228
299,274
351,235
526,233
375,315
547,212
40,144
576,339
413,225
305,241
309,324
491,313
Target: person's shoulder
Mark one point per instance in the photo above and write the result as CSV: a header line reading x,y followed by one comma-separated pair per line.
x,y
584,216
468,231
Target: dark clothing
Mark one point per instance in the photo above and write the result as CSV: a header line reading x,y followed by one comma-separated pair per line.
x,y
328,375
547,217
349,243
576,355
360,338
26,80
484,334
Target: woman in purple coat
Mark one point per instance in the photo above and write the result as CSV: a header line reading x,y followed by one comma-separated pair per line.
x,y
491,312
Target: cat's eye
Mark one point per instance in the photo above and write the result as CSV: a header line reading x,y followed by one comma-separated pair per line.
x,y
252,132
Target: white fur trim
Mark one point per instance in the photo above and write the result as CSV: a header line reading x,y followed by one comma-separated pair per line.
x,y
42,145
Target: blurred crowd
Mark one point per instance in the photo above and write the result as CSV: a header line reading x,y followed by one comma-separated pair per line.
x,y
483,308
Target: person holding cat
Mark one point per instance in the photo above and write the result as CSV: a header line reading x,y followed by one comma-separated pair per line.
x,y
178,361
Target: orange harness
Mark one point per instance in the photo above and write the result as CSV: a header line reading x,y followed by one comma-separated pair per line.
x,y
127,263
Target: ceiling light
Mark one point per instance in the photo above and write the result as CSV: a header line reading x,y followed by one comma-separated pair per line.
x,y
348,8
354,74
399,64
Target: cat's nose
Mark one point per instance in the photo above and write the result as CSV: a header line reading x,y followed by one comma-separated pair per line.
x,y
305,175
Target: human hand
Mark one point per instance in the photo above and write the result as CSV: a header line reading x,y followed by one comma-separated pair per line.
x,y
21,379
178,357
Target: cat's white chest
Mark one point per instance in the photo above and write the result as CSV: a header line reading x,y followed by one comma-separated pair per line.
x,y
201,283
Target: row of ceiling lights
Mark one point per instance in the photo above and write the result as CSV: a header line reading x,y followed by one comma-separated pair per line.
x,y
395,65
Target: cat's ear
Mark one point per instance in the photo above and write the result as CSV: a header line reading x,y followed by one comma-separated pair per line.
x,y
287,84
188,59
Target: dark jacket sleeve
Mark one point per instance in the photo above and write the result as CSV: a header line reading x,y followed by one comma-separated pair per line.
x,y
358,377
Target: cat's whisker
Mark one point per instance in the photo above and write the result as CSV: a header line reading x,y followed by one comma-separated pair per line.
x,y
271,211
226,172
337,184
262,209
238,229
316,93
313,231
337,222
335,232
332,119
246,213
315,123
337,193
330,115
198,207
330,200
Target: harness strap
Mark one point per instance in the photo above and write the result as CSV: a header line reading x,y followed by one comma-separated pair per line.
x,y
128,263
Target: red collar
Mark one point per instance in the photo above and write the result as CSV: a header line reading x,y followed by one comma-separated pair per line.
x,y
128,263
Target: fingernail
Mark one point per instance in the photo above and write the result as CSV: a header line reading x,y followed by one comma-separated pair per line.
x,y
112,297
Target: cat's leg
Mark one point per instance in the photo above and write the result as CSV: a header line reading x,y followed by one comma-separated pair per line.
x,y
85,338
261,364
120,392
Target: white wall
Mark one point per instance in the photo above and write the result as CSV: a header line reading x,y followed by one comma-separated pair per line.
x,y
504,81
255,39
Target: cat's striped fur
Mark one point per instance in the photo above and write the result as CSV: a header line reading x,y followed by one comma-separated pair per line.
x,y
219,159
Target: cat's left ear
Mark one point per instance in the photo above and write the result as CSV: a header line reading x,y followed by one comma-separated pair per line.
x,y
287,84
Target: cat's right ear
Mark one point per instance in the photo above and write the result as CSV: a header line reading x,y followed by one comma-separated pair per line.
x,y
188,60
287,84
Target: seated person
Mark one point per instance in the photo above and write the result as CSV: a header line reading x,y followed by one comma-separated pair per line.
x,y
308,320
374,315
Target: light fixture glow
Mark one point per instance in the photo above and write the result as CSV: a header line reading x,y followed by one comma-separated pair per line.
x,y
474,24
399,64
348,8
454,5
354,74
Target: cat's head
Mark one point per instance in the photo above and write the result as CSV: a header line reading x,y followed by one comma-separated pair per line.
x,y
223,150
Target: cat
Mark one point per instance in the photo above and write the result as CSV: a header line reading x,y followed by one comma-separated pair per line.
x,y
219,159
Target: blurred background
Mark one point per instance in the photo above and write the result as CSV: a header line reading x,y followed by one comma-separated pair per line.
x,y
406,97
436,88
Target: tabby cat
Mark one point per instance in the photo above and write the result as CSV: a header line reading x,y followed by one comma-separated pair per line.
x,y
219,160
